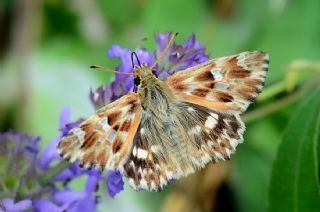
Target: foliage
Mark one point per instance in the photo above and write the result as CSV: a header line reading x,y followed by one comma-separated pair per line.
x,y
294,180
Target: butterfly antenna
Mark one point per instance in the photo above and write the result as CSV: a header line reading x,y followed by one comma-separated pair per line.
x,y
164,52
101,68
134,54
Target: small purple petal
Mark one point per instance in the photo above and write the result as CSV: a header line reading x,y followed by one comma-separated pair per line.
x,y
49,154
93,181
68,196
22,205
65,116
76,201
69,126
162,40
115,183
45,205
87,204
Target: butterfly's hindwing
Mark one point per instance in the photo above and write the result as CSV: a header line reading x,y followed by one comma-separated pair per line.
x,y
197,136
224,84
104,140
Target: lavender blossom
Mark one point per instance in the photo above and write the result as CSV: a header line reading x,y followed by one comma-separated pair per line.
x,y
177,58
23,169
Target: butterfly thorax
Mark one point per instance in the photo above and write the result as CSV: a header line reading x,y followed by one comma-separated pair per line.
x,y
154,93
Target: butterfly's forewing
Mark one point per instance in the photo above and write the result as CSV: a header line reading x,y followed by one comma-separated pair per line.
x,y
104,140
224,84
196,136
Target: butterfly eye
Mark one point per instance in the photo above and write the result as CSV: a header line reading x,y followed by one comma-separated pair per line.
x,y
136,81
154,72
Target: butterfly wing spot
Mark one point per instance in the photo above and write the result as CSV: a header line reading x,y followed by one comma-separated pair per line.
x,y
125,126
201,92
210,122
190,109
180,87
220,86
223,96
239,73
216,74
111,135
205,76
141,153
104,123
142,131
113,117
116,145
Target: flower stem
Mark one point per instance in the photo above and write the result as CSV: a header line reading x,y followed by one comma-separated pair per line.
x,y
46,177
272,91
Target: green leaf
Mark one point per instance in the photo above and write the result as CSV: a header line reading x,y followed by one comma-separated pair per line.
x,y
294,181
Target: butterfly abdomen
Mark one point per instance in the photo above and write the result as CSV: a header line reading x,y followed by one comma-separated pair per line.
x,y
177,147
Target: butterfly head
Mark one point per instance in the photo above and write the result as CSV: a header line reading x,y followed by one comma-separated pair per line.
x,y
142,72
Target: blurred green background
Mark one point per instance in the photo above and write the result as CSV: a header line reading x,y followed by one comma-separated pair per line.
x,y
47,46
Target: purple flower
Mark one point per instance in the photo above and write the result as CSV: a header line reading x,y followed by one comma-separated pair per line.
x,y
177,58
115,183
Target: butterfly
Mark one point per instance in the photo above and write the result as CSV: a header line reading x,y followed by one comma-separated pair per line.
x,y
170,129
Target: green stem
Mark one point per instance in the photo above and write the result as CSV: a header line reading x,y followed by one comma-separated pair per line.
x,y
279,104
46,177
272,91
